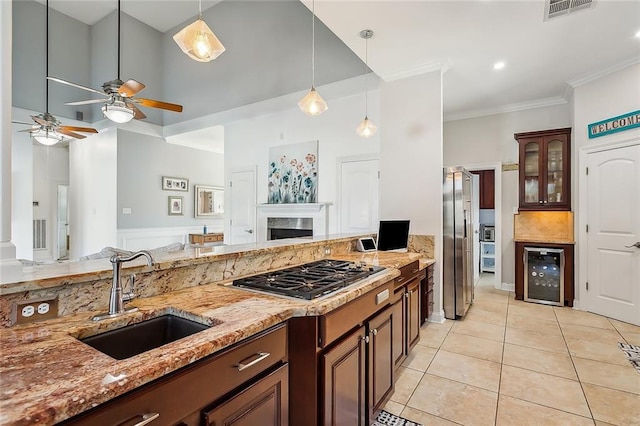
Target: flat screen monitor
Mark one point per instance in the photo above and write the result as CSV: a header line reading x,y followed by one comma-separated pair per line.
x,y
393,235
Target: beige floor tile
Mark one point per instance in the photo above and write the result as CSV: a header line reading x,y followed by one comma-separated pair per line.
x,y
477,314
466,369
394,408
599,423
624,326
479,329
499,307
421,417
527,323
624,378
455,401
543,389
420,358
476,347
573,316
581,332
536,340
406,382
613,406
440,326
631,338
605,352
432,338
497,296
533,310
512,411
556,364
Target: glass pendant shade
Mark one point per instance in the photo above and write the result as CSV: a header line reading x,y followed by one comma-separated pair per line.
x,y
46,137
312,103
198,42
366,128
118,112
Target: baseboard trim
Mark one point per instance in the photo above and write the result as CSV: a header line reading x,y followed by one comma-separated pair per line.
x,y
508,287
437,317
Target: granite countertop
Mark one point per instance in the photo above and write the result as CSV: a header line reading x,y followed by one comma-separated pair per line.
x,y
48,376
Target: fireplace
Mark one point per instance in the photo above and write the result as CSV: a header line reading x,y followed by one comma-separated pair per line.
x,y
279,228
291,221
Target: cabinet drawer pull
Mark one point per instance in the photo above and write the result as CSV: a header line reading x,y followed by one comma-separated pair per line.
x,y
260,356
147,418
374,331
415,271
400,279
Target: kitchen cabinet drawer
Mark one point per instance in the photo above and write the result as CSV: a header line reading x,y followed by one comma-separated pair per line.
x,y
194,387
338,322
205,238
408,272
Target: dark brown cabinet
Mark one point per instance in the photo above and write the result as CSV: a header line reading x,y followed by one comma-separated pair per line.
x,y
406,311
545,169
426,292
568,268
380,366
413,313
487,181
399,313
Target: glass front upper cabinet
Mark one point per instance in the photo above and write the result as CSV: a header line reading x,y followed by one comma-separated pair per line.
x,y
544,170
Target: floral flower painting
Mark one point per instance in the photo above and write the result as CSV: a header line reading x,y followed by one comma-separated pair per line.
x,y
293,173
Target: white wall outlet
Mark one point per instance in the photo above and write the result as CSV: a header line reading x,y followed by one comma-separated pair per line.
x,y
29,311
126,210
327,250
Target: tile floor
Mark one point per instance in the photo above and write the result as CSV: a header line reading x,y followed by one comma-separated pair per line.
x,y
517,363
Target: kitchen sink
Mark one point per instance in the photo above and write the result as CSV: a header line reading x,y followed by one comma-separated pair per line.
x,y
135,339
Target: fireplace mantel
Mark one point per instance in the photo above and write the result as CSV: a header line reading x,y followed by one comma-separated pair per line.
x,y
316,211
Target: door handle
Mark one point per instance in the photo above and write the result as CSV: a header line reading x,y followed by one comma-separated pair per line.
x,y
249,231
259,357
636,245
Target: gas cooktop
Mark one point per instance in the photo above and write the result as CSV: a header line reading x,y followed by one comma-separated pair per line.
x,y
311,280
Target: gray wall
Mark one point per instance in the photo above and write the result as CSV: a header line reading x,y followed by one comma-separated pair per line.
x,y
142,161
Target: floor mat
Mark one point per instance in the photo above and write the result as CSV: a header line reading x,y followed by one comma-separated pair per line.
x,y
385,418
633,354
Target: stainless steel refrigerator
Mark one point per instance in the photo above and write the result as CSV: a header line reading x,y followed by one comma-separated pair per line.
x,y
457,235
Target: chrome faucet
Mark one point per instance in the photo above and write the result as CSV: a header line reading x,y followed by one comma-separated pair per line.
x,y
118,296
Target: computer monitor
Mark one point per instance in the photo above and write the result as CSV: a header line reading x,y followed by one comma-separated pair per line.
x,y
393,235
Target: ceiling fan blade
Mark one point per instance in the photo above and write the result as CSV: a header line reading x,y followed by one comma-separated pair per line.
x,y
40,121
88,101
130,88
70,134
68,83
28,130
139,115
22,122
159,104
78,129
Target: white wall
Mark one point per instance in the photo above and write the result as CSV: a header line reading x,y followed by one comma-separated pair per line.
x,y
22,192
490,139
247,142
411,160
92,193
609,96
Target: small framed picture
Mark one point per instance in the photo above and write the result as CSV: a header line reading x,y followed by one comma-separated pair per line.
x,y
175,206
175,184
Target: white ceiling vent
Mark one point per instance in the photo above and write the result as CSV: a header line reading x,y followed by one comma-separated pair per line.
x,y
556,8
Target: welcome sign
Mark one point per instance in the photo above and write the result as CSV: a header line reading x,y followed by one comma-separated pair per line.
x,y
615,124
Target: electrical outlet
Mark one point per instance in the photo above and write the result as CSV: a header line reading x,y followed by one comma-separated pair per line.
x,y
327,250
29,311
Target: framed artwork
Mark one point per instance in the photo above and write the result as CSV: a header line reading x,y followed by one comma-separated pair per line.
x,y
175,184
209,201
293,173
175,206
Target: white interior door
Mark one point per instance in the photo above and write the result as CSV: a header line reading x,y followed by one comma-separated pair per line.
x,y
63,223
613,271
475,207
243,207
359,196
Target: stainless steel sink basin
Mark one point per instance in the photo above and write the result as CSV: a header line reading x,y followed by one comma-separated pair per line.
x,y
135,339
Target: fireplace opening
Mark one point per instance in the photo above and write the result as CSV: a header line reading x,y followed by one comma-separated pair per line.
x,y
279,228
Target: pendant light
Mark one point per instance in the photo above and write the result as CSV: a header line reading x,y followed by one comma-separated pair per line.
x,y
46,134
366,128
117,110
197,40
312,103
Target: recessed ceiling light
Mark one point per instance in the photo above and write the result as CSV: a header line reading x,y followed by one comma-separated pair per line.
x,y
498,65
638,34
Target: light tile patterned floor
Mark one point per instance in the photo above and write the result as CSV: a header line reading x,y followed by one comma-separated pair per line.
x,y
516,363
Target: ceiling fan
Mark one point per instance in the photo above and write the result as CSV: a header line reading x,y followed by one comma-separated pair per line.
x,y
46,128
119,104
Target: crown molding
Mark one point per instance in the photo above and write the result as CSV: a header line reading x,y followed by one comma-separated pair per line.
x,y
521,106
417,70
586,78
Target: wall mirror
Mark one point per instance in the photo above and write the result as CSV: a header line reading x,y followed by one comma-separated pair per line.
x,y
209,201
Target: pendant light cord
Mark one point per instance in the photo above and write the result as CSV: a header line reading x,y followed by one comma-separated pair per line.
x,y
199,9
313,43
46,60
118,39
366,75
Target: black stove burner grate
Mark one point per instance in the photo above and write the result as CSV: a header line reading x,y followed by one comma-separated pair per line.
x,y
311,280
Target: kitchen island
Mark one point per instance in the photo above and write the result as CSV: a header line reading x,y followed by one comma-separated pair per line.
x,y
48,375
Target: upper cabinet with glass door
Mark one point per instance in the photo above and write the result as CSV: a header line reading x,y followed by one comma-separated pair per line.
x,y
545,169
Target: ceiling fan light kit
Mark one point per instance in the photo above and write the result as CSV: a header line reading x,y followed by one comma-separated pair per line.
x,y
198,42
118,112
312,103
366,128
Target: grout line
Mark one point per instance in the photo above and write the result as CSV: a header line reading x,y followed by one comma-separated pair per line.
x,y
504,343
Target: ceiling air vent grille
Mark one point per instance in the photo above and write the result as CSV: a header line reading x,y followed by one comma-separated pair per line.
x,y
555,8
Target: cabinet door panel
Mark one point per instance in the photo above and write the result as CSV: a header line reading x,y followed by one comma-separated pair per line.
x,y
344,373
381,362
398,319
413,313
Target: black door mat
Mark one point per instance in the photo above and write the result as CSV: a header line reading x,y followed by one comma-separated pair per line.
x,y
633,354
385,418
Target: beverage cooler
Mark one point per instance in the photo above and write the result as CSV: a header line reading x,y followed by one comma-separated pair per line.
x,y
544,275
